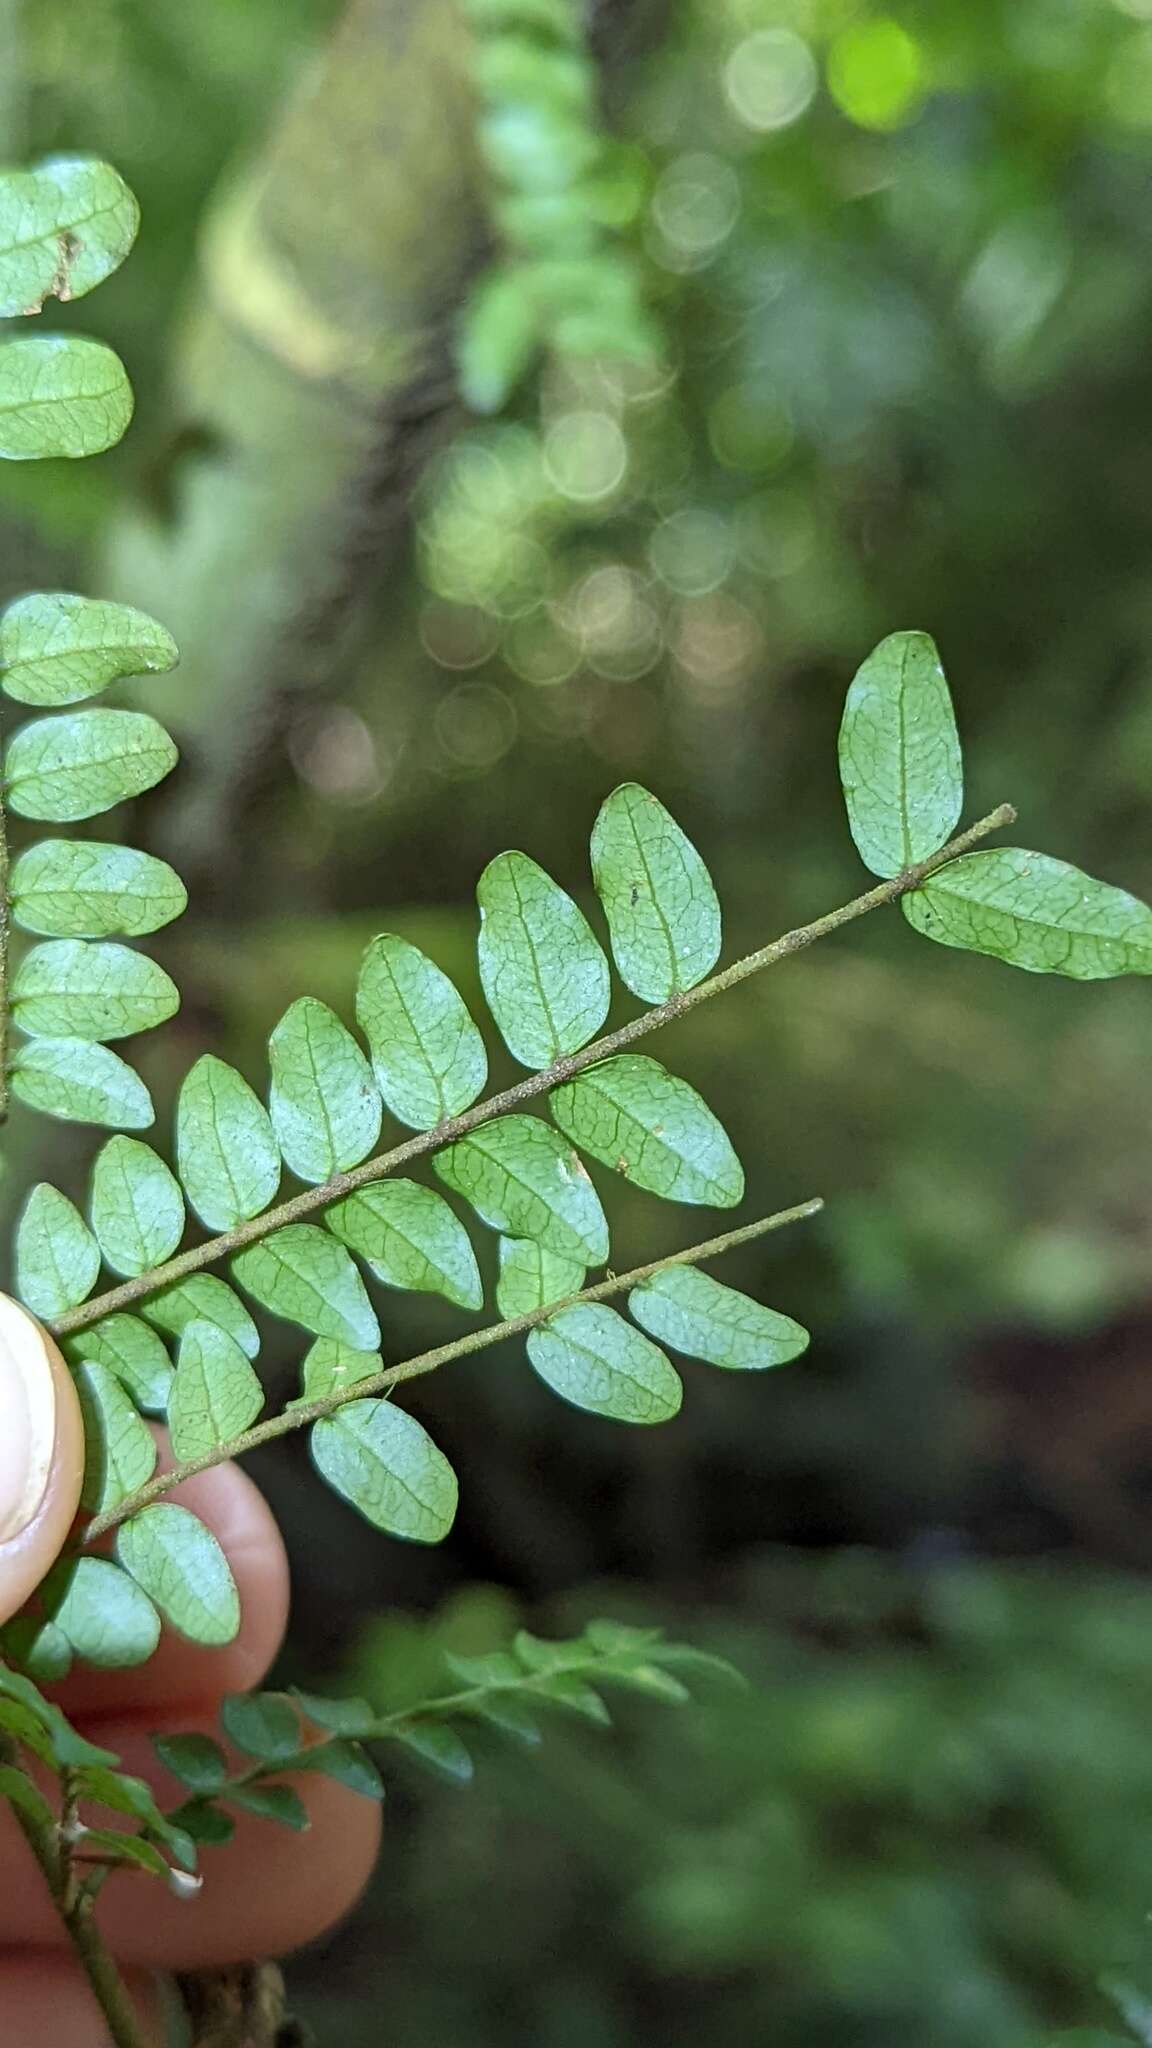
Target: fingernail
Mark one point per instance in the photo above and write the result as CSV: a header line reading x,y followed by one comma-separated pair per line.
x,y
28,1417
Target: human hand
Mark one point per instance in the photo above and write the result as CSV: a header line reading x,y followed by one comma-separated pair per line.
x,y
267,1891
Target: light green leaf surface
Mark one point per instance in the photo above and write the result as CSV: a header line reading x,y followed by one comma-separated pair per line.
x,y
75,888
633,1115
302,1274
1034,912
137,1209
180,1565
75,988
325,1105
384,1462
119,1448
57,1257
900,762
133,1352
409,1237
591,1357
58,649
428,1056
81,764
522,1178
82,1083
693,1313
531,1276
60,395
215,1394
203,1298
544,976
226,1150
658,896
65,225
330,1365
108,1619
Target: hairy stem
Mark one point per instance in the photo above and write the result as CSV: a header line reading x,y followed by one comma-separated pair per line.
x,y
303,1413
199,1256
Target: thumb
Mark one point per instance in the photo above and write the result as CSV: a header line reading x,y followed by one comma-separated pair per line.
x,y
41,1454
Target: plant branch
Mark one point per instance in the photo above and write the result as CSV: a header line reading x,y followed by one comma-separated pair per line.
x,y
302,1414
197,1257
5,924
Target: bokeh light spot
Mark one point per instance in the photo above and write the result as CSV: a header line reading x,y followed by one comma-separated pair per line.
x,y
876,74
771,79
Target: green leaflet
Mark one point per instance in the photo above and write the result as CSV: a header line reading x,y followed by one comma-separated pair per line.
x,y
57,1257
81,1082
409,1237
693,1313
73,988
133,1352
383,1461
325,1104
226,1150
119,1449
281,1803
590,1356
900,763
262,1724
107,1618
137,1209
632,1114
658,896
39,1649
195,1760
81,764
437,1746
302,1274
60,395
531,1277
180,1565
330,1365
58,649
428,1056
65,225
544,976
522,1178
215,1394
349,1764
203,1298
75,888
1034,912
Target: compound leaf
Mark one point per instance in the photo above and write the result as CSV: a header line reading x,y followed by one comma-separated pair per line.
x,y
79,765
695,1314
383,1461
81,1082
658,896
215,1394
226,1150
409,1237
428,1056
137,1209
180,1565
544,975
57,649
591,1357
304,1275
60,395
1034,912
79,889
522,1178
900,763
632,1114
73,988
325,1105
57,1257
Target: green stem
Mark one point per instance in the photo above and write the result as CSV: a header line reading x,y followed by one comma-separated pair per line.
x,y
5,926
302,1414
310,1200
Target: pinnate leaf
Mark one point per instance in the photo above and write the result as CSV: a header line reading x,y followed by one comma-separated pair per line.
x,y
302,1274
81,1082
76,888
58,649
226,1150
203,1298
79,765
531,1276
521,1178
1034,912
60,395
900,762
57,1257
693,1313
544,975
325,1104
65,225
428,1056
119,1448
137,1208
409,1237
108,1618
71,988
658,896
591,1357
133,1352
635,1116
215,1394
180,1565
383,1461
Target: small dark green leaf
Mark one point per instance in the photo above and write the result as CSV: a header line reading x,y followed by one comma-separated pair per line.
x,y
633,1115
383,1461
1034,912
349,1764
272,1802
262,1724
325,1104
226,1151
137,1208
78,888
658,896
205,1823
522,1178
215,1394
302,1274
438,1747
196,1760
340,1717
60,395
428,1056
179,1563
409,1237
56,649
591,1357
39,1648
900,759
21,1793
544,976
82,1083
695,1314
57,1257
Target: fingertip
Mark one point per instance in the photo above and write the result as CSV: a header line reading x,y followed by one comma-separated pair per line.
x,y
41,1454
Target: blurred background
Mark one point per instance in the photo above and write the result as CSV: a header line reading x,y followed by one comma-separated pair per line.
x,y
853,335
